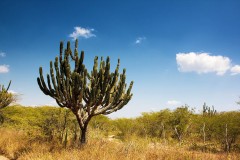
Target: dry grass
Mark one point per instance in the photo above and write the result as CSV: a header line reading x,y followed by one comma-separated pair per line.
x,y
17,145
12,143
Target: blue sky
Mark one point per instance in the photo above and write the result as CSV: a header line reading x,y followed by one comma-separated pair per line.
x,y
177,52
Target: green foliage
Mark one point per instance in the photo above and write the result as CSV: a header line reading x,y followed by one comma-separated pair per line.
x,y
102,123
154,124
227,129
181,121
125,126
85,94
6,98
223,129
59,124
50,123
159,125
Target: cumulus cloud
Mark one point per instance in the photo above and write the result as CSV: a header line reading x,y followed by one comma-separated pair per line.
x,y
139,40
235,70
2,54
52,103
4,68
82,32
13,92
202,63
173,103
33,105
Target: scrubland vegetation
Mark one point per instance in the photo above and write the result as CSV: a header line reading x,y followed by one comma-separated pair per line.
x,y
80,129
52,133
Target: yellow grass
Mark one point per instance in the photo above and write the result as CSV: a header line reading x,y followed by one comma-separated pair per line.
x,y
18,145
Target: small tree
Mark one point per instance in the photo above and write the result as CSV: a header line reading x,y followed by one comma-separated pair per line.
x,y
207,114
85,94
6,98
181,121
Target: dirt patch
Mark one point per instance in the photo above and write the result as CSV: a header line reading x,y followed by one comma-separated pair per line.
x,y
3,158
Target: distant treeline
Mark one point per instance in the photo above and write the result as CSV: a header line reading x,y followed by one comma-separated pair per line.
x,y
208,131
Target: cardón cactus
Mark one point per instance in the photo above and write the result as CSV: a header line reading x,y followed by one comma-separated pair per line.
x,y
5,97
85,94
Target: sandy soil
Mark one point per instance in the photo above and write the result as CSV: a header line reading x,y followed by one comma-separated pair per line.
x,y
3,158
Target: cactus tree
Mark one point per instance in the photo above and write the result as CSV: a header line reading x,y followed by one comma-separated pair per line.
x,y
85,94
6,98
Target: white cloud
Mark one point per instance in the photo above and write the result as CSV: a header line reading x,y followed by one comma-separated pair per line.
x,y
202,63
2,54
49,104
13,92
33,105
154,109
139,40
82,32
235,70
4,68
173,103
52,103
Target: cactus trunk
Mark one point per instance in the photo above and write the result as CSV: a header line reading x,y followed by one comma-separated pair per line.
x,y
83,130
83,139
